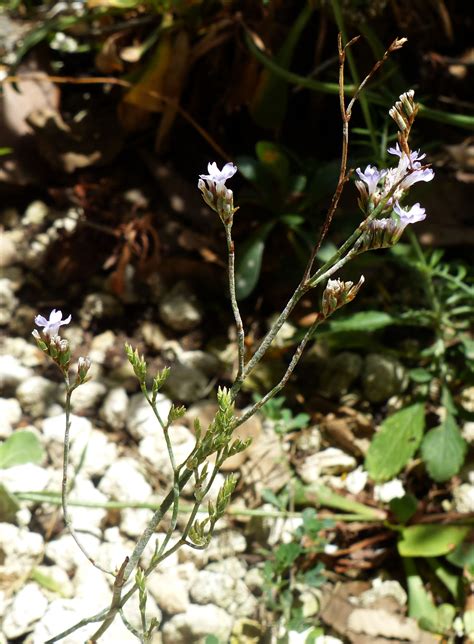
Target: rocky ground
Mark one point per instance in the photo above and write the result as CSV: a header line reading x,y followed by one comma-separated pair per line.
x,y
119,454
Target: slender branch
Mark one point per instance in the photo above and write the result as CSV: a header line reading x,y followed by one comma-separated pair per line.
x,y
64,483
235,307
115,603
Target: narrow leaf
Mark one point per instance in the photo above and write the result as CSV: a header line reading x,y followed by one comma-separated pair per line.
x,y
395,443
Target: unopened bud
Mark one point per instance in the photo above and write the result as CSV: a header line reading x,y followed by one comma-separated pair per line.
x,y
337,293
83,366
379,233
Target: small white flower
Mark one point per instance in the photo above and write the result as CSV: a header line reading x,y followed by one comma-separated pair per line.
x,y
411,215
51,326
219,176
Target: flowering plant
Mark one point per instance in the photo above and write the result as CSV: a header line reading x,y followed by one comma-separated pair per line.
x,y
381,193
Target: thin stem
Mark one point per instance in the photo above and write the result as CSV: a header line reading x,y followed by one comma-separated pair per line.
x,y
115,603
235,307
64,484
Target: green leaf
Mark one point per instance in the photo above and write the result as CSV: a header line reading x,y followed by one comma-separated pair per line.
x,y
366,321
443,450
430,540
404,508
463,556
21,447
273,158
48,582
9,506
420,375
451,580
249,262
395,443
420,604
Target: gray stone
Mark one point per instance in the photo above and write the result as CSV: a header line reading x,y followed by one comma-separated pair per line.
x,y
186,384
65,553
223,590
36,394
36,214
10,414
339,374
20,551
28,606
383,377
98,306
25,351
169,591
180,309
8,251
100,345
114,408
27,477
12,373
153,335
154,451
88,396
197,622
329,461
141,420
8,302
463,498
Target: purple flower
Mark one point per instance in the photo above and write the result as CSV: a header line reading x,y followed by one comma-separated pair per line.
x,y
51,326
219,176
418,174
414,156
371,176
411,215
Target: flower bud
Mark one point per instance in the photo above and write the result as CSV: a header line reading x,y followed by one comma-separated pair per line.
x,y
83,366
338,293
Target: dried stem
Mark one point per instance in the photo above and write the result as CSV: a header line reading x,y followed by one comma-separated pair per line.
x,y
235,307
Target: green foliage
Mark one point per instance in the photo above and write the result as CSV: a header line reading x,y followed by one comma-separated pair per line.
x,y
282,417
19,448
285,576
443,450
395,443
430,540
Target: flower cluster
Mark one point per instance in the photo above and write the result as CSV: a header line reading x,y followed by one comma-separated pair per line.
x,y
337,293
215,193
389,186
56,347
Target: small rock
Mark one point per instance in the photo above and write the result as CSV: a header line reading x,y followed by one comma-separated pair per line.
x,y
141,420
12,372
231,566
27,477
383,377
90,519
58,581
466,399
339,374
169,592
8,302
224,591
154,451
36,214
197,622
65,553
26,352
75,336
254,580
8,251
20,550
282,530
356,480
114,408
467,431
36,394
153,335
385,492
124,481
98,306
309,440
186,383
10,414
330,461
28,606
100,345
463,498
381,589
180,309
379,622
88,396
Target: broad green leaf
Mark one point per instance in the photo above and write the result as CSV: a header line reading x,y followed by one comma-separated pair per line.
x,y
9,506
249,262
443,450
21,447
430,540
396,442
364,321
420,375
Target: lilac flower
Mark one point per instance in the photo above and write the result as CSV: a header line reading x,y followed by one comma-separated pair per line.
x,y
371,176
219,176
411,215
51,326
414,156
